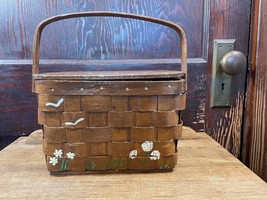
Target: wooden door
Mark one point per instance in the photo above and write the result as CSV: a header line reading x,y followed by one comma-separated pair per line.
x,y
254,149
91,40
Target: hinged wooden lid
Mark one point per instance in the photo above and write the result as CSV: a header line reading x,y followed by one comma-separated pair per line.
x,y
111,75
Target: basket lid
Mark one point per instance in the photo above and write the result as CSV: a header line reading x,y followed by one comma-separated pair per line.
x,y
111,75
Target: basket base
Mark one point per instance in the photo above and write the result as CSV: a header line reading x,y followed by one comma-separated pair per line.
x,y
66,173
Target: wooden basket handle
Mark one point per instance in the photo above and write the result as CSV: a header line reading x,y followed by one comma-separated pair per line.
x,y
42,24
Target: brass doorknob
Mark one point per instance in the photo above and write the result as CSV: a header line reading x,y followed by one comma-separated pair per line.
x,y
233,62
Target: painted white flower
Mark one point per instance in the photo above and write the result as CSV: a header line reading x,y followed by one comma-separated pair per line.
x,y
70,155
133,154
53,161
58,153
155,155
147,146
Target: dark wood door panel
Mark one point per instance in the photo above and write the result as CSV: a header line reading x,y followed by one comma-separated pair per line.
x,y
228,20
254,150
95,38
18,105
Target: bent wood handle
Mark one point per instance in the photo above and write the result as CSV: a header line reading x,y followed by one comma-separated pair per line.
x,y
42,24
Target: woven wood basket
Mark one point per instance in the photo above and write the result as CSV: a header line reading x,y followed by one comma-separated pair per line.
x,y
101,122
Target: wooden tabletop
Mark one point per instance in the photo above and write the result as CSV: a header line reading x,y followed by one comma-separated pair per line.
x,y
205,170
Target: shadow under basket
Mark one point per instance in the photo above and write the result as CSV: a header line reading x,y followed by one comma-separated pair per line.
x,y
110,121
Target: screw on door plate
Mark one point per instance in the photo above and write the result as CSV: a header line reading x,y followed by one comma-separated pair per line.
x,y
221,82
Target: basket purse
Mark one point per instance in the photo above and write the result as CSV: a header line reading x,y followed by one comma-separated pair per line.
x,y
110,121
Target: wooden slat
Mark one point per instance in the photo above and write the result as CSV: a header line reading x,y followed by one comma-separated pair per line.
x,y
254,149
55,134
110,75
123,88
102,134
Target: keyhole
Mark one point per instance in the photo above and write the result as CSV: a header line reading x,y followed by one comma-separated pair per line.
x,y
223,86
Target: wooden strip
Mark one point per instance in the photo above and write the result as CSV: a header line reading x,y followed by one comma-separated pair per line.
x,y
74,135
165,133
98,149
142,164
51,103
120,149
120,134
98,163
165,119
120,163
120,103
165,103
125,171
110,75
143,119
169,162
79,149
41,117
178,131
53,119
55,134
49,148
121,119
143,134
166,148
72,104
171,102
170,133
96,103
97,119
122,88
77,164
179,102
96,134
143,103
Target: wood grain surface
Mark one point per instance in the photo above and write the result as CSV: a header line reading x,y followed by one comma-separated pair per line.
x,y
204,170
95,38
229,20
254,152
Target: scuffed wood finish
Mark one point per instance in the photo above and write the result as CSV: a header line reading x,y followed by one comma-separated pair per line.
x,y
255,127
227,130
229,20
205,171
